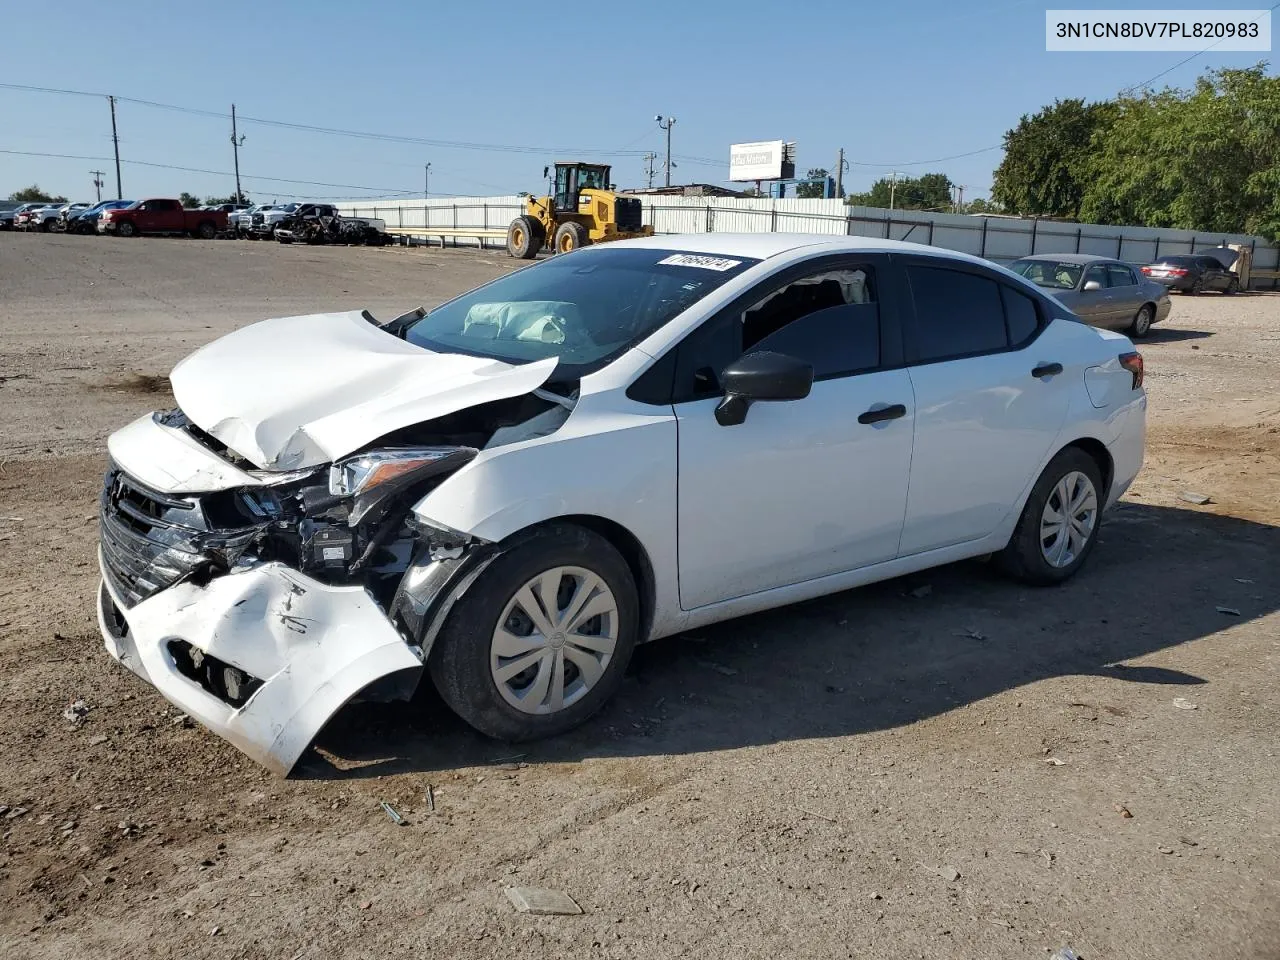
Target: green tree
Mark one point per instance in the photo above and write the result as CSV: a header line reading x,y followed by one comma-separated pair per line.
x,y
188,200
930,191
1045,169
812,191
33,194
982,205
1207,158
219,201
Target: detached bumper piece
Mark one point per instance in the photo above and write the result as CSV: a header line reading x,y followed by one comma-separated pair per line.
x,y
257,651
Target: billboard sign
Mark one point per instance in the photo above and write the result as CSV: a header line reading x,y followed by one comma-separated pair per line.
x,y
762,160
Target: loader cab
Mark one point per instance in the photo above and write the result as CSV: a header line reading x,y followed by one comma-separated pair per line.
x,y
572,178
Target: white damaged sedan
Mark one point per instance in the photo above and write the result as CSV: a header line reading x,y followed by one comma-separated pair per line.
x,y
509,492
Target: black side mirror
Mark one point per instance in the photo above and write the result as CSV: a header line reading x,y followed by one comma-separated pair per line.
x,y
545,171
761,376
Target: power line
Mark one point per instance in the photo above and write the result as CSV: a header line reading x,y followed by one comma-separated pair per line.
x,y
217,173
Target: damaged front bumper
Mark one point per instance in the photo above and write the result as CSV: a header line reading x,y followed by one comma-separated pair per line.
x,y
262,656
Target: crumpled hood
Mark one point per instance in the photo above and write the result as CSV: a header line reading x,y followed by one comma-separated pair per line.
x,y
302,391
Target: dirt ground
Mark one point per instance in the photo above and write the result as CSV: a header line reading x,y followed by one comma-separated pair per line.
x,y
981,770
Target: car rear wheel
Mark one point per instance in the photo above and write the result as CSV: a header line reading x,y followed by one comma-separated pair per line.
x,y
540,641
206,231
126,229
1233,286
1141,325
1197,286
1059,524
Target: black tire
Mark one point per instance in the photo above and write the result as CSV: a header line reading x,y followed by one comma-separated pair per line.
x,y
205,230
1233,287
460,658
125,229
47,226
525,237
571,236
1197,287
1024,559
1142,321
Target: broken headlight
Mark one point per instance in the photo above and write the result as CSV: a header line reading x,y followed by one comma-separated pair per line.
x,y
375,479
358,474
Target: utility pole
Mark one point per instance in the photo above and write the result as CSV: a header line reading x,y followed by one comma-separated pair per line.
x,y
959,199
666,124
236,144
893,187
97,182
426,181
841,166
115,140
649,158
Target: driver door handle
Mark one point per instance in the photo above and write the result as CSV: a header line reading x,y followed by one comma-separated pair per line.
x,y
1046,370
884,413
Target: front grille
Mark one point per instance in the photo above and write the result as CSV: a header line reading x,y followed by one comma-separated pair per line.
x,y
629,214
258,218
149,540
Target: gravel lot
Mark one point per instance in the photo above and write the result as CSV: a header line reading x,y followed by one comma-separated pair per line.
x,y
975,770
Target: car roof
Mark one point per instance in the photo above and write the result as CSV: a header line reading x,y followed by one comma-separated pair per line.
x,y
761,246
1081,258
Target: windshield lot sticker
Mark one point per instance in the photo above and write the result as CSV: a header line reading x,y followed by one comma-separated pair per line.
x,y
719,264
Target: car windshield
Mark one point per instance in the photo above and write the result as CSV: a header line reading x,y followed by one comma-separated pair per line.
x,y
1049,273
586,307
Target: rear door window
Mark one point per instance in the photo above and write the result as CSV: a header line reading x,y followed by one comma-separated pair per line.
x,y
1118,275
957,314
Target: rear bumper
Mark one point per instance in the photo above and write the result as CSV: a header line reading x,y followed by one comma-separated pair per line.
x,y
1129,446
311,646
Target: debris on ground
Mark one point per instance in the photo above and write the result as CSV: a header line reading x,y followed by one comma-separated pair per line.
x,y
1199,499
1243,580
1229,611
718,668
541,902
1053,761
971,633
1064,953
391,812
75,711
182,720
15,813
922,591
1123,811
431,799
1182,703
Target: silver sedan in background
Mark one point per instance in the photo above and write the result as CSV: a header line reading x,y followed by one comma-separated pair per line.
x,y
1102,292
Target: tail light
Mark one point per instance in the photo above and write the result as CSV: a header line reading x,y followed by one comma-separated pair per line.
x,y
1177,271
1133,363
1147,271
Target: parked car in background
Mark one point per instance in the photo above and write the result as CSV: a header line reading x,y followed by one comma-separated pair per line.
x,y
23,213
239,221
86,221
9,210
162,215
504,495
45,218
1193,273
263,222
321,223
1104,292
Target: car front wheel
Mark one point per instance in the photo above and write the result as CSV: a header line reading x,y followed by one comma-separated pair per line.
x,y
540,641
1059,524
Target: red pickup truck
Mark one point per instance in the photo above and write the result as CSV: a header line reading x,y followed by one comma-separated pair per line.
x,y
162,216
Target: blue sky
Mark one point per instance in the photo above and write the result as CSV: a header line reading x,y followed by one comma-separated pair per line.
x,y
892,83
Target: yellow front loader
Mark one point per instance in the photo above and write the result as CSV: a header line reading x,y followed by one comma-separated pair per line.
x,y
583,209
